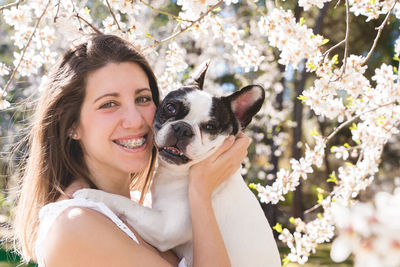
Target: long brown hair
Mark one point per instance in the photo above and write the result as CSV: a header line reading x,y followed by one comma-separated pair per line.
x,y
54,159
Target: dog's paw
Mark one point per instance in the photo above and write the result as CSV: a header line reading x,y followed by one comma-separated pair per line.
x,y
112,201
90,194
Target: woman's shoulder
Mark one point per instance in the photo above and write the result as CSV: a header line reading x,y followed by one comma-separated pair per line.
x,y
81,236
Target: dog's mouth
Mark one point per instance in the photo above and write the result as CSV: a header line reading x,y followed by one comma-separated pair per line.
x,y
172,154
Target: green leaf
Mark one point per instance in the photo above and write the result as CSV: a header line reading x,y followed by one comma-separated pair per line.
x,y
311,66
148,35
291,220
333,149
302,98
325,41
320,198
332,178
252,186
278,227
335,59
314,132
302,21
353,127
285,261
396,57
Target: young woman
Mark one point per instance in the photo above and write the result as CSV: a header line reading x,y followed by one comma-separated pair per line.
x,y
93,128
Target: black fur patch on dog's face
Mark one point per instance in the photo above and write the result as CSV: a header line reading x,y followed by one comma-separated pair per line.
x,y
174,100
222,121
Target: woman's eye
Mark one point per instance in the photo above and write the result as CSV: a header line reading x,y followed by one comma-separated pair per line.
x,y
170,109
108,105
143,99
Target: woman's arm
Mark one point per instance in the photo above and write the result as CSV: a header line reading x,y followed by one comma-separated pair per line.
x,y
205,177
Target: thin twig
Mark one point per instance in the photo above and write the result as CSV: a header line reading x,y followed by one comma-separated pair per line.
x,y
11,5
157,43
164,12
333,47
25,48
346,45
380,29
337,4
77,15
352,119
346,41
88,23
257,8
58,9
113,15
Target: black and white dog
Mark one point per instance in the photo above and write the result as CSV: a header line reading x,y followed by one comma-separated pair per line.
x,y
190,125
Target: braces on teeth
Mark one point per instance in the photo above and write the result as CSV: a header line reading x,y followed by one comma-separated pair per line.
x,y
134,143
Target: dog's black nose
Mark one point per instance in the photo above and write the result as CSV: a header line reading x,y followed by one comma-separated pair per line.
x,y
182,130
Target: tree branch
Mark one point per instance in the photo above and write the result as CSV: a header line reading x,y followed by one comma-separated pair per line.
x,y
88,23
25,48
157,43
163,12
77,14
380,29
346,41
11,5
58,9
113,15
352,119
257,8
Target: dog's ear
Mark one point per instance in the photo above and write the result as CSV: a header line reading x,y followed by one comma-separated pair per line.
x,y
246,102
197,78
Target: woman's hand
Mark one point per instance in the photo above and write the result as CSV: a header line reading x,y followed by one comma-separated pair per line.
x,y
208,174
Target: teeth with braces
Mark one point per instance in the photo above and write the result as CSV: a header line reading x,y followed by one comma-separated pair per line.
x,y
133,143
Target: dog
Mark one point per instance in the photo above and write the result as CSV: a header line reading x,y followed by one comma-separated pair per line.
x,y
190,124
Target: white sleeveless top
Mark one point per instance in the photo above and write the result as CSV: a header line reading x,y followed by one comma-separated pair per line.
x,y
50,212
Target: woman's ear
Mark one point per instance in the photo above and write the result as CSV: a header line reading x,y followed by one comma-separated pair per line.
x,y
73,134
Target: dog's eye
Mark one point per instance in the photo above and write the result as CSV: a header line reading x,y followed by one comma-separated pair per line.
x,y
210,126
170,108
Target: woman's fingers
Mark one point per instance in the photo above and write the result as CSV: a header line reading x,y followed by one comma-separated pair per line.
x,y
237,151
211,172
228,142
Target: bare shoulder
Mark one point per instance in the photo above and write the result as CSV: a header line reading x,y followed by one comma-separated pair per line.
x,y
84,237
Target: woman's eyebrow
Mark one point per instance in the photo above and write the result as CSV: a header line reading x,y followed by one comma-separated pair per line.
x,y
105,95
141,90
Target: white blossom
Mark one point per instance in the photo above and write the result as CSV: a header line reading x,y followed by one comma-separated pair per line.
x,y
3,102
4,70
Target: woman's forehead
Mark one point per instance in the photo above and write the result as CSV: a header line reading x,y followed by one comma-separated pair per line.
x,y
118,78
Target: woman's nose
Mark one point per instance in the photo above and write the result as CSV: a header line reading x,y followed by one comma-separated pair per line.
x,y
132,118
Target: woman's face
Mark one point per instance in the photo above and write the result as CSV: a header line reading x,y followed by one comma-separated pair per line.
x,y
115,125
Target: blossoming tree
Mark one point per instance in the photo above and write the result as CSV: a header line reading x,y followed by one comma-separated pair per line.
x,y
266,43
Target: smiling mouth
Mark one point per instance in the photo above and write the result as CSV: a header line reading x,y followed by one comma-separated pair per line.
x,y
173,154
132,143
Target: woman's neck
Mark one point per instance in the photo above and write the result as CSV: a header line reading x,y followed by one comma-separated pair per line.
x,y
111,181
